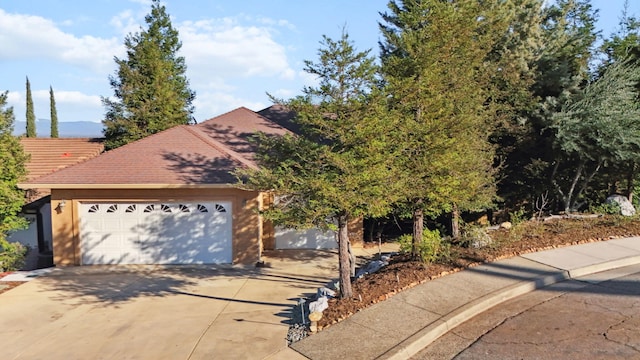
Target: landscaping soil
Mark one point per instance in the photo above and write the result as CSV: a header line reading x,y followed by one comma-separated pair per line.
x,y
8,285
403,273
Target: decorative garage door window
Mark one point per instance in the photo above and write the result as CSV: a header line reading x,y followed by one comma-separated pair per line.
x,y
156,233
167,208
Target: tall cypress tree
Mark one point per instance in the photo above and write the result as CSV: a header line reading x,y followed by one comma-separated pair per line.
x,y
54,114
151,90
31,117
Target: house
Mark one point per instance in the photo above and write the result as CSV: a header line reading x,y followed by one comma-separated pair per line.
x,y
171,198
47,155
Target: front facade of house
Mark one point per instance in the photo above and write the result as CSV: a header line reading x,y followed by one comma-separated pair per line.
x,y
170,198
155,226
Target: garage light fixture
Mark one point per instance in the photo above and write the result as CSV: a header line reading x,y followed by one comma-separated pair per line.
x,y
62,205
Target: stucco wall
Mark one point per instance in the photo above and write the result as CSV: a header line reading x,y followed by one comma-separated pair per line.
x,y
247,227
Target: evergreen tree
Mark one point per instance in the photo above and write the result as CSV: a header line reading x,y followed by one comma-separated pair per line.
x,y
151,90
12,162
337,169
625,42
433,58
599,127
622,45
562,69
54,114
31,117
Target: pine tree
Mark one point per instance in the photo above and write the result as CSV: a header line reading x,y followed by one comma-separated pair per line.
x,y
54,114
337,169
433,55
31,117
151,90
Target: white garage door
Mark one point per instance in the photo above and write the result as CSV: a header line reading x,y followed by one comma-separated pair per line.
x,y
156,233
287,238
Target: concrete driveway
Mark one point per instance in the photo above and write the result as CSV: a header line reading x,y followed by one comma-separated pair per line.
x,y
160,312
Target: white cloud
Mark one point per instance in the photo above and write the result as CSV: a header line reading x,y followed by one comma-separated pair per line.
x,y
125,23
28,37
222,46
75,98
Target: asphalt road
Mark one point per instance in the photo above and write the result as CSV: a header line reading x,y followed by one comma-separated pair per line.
x,y
577,319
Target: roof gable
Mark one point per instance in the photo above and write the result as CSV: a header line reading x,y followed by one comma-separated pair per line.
x,y
236,128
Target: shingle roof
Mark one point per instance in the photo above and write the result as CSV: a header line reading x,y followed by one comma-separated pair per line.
x,y
185,155
235,129
52,154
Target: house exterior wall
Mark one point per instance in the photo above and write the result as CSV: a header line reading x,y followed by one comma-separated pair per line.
x,y
65,223
355,227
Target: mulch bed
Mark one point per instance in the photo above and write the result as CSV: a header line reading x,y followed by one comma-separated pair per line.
x,y
403,273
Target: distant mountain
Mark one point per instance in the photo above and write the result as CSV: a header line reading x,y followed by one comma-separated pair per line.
x,y
77,129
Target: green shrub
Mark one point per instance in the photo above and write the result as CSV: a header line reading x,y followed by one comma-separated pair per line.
x,y
431,249
517,217
612,208
12,255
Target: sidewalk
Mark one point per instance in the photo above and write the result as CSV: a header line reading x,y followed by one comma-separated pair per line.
x,y
401,326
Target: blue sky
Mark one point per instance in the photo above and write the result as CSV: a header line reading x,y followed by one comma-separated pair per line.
x,y
236,51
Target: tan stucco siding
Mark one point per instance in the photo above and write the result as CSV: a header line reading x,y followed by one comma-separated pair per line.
x,y
246,227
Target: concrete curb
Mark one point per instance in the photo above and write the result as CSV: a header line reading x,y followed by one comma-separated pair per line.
x,y
429,334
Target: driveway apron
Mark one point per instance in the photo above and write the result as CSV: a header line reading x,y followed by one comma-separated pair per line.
x,y
160,312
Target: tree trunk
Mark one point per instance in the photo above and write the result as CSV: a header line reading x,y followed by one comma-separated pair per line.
x,y
630,176
418,226
455,222
344,257
568,199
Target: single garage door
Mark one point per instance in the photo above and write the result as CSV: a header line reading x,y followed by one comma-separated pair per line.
x,y
287,238
156,233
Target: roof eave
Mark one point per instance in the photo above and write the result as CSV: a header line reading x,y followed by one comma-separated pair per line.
x,y
26,186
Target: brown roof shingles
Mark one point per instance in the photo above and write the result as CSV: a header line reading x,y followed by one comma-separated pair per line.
x,y
204,154
235,129
52,154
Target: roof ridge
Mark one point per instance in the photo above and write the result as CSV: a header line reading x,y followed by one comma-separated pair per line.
x,y
225,113
219,146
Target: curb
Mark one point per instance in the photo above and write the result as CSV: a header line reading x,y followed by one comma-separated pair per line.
x,y
429,334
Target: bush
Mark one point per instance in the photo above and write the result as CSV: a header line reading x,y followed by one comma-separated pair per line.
x,y
517,217
431,249
612,208
12,255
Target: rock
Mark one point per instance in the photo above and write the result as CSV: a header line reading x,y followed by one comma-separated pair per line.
x,y
319,305
296,333
315,316
477,238
371,268
626,207
506,225
326,292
